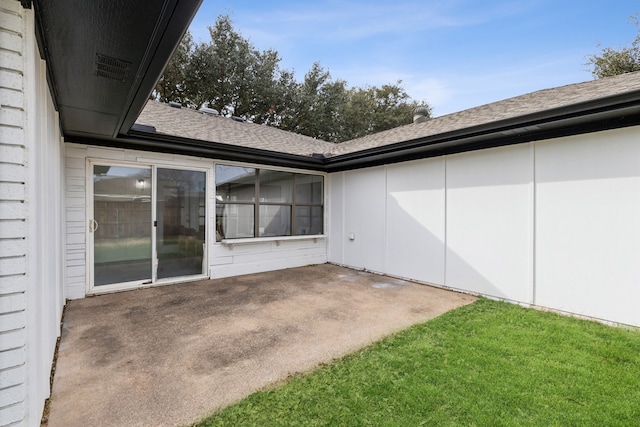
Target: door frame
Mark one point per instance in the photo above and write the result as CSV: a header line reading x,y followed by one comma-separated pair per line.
x,y
91,288
154,235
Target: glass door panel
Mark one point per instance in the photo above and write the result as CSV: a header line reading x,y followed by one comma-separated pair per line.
x,y
121,224
180,226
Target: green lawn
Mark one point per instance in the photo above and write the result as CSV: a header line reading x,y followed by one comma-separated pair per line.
x,y
485,364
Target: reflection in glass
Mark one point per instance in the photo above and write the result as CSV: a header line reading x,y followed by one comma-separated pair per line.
x,y
235,184
181,217
308,220
309,189
275,186
234,221
275,220
261,202
122,224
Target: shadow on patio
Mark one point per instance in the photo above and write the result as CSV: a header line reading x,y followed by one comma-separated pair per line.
x,y
173,354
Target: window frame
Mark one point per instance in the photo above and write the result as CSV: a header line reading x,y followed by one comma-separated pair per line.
x,y
257,203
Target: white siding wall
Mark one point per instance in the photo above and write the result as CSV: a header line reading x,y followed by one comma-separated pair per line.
x,y
364,204
223,260
490,222
31,222
13,215
336,213
415,223
226,261
553,223
588,225
75,250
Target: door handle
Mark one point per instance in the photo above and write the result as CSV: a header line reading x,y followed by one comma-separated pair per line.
x,y
93,225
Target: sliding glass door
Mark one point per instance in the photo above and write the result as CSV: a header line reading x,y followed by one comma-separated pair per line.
x,y
180,230
142,214
121,224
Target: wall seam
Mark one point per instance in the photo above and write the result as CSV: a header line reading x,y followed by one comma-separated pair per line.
x,y
344,217
446,217
534,220
386,221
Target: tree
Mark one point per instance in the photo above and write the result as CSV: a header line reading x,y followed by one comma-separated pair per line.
x,y
612,62
232,65
325,109
375,109
229,74
172,84
392,107
316,105
268,87
198,77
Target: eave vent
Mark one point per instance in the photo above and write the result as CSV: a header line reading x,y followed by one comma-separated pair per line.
x,y
112,68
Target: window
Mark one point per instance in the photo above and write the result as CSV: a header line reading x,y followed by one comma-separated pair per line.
x,y
264,203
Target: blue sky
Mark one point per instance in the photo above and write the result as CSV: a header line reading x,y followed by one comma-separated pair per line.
x,y
454,54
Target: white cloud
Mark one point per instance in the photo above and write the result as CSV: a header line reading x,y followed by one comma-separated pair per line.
x,y
358,20
433,90
452,92
377,43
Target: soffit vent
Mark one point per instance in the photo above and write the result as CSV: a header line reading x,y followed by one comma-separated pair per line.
x,y
112,68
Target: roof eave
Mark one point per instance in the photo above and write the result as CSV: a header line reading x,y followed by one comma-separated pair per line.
x,y
601,114
104,58
604,113
173,25
146,141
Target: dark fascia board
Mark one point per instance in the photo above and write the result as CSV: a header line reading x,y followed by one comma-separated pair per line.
x,y
43,51
176,17
161,143
601,114
479,142
451,143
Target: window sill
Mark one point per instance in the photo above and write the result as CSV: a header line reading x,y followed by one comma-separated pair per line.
x,y
277,239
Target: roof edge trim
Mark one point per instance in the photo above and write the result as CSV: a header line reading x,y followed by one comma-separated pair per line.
x,y
167,35
519,126
426,147
140,140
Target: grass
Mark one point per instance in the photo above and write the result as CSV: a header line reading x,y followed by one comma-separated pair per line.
x,y
488,363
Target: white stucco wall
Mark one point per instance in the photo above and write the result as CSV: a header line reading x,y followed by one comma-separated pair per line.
x,y
31,222
223,260
554,223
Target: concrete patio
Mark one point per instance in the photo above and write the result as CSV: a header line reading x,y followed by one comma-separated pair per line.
x,y
168,356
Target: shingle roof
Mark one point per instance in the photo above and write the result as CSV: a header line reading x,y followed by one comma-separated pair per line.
x,y
187,123
191,124
518,106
